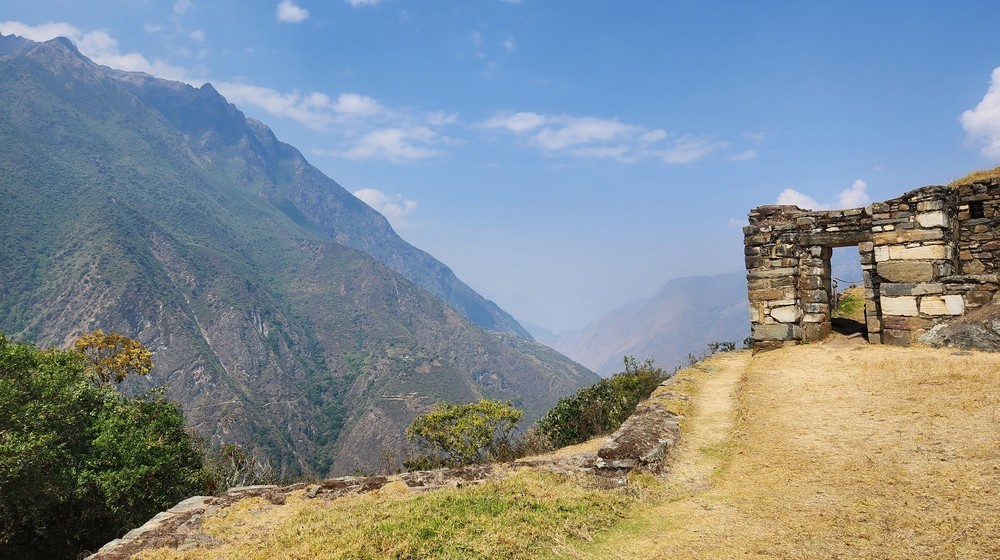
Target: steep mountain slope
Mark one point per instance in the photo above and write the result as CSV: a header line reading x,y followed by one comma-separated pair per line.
x,y
157,210
684,316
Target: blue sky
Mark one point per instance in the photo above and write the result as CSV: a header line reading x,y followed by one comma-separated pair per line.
x,y
568,157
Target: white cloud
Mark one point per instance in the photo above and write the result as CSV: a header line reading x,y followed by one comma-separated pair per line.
x,y
745,156
441,118
183,6
793,197
152,28
516,122
394,207
365,128
98,46
313,110
568,132
508,44
360,3
289,12
197,35
653,136
982,123
688,149
593,137
357,104
397,145
855,196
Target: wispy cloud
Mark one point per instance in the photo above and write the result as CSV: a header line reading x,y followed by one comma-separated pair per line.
x,y
182,7
360,3
397,145
99,46
361,127
395,208
745,156
982,123
688,149
855,196
593,137
289,12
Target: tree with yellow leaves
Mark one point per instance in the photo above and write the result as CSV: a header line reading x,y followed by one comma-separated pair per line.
x,y
112,357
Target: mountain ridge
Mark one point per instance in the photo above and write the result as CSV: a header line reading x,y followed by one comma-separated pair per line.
x,y
156,209
682,317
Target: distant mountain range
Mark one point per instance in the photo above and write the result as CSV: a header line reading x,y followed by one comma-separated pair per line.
x,y
282,311
681,319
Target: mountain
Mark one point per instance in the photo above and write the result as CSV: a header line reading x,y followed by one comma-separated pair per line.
x,y
282,311
681,319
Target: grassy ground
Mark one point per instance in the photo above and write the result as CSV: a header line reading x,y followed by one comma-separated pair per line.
x,y
851,304
523,516
838,451
831,450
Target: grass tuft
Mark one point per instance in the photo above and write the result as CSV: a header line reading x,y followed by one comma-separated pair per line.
x,y
977,176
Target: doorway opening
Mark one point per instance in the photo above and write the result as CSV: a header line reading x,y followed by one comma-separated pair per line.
x,y
847,292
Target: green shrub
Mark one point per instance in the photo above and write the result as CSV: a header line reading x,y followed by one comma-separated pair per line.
x,y
601,408
80,463
463,434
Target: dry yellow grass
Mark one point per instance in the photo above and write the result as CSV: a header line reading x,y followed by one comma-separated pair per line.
x,y
831,450
982,175
838,451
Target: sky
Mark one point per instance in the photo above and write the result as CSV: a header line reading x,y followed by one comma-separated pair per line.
x,y
566,158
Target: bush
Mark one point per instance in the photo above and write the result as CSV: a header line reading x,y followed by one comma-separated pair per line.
x,y
80,463
463,434
601,408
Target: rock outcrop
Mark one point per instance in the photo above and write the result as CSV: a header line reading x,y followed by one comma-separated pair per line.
x,y
979,330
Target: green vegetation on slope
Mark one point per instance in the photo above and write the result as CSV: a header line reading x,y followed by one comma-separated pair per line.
x,y
601,408
80,463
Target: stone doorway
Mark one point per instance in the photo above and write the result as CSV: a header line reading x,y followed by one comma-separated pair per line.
x,y
849,295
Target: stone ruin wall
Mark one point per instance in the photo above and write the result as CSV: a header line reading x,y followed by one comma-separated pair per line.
x,y
927,256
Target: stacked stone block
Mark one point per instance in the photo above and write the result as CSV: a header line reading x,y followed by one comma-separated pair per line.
x,y
914,250
927,256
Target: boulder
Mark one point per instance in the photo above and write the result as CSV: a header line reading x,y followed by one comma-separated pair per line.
x,y
642,441
980,330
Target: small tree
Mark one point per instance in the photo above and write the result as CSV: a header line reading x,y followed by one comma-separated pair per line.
x,y
111,357
81,463
462,434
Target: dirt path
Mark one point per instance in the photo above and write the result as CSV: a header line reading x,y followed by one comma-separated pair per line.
x,y
832,450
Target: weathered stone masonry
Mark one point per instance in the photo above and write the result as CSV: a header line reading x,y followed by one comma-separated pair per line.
x,y
927,256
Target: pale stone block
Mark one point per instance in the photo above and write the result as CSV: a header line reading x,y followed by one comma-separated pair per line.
x,y
903,306
881,253
933,219
786,314
942,305
907,235
906,271
918,253
890,289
